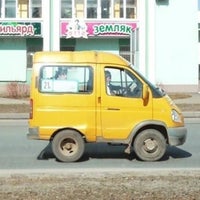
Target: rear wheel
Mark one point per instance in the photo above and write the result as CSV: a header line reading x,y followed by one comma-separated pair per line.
x,y
150,145
68,146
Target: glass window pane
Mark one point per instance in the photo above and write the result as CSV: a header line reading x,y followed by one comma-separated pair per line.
x,y
23,8
120,82
66,79
124,51
118,9
10,8
199,31
113,81
33,45
79,8
130,9
105,8
91,8
66,9
36,9
199,5
199,36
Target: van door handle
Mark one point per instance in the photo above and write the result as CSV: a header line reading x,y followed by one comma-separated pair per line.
x,y
113,109
99,99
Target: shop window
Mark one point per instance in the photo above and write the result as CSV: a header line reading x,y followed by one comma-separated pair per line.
x,y
91,8
33,45
30,59
10,8
124,51
36,8
67,44
67,48
66,9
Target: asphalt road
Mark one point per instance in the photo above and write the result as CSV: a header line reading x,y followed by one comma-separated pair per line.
x,y
19,153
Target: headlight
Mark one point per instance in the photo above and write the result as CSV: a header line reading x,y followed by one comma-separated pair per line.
x,y
175,116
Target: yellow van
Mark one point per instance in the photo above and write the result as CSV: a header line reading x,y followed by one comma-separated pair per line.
x,y
87,96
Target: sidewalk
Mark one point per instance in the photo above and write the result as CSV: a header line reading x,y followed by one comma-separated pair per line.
x,y
13,115
194,99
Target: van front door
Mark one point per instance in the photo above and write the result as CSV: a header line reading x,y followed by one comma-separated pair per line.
x,y
121,103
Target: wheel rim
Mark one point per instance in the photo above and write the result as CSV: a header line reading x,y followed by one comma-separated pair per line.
x,y
68,147
150,145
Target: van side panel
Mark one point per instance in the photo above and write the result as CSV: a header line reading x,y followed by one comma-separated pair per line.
x,y
54,112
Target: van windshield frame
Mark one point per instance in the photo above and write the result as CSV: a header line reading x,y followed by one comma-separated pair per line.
x,y
157,92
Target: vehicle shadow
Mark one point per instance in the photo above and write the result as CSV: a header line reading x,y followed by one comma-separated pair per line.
x,y
176,152
105,151
46,153
91,151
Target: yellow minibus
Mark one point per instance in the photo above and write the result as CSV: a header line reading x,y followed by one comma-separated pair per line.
x,y
90,97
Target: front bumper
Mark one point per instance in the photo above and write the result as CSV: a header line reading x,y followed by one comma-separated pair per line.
x,y
177,136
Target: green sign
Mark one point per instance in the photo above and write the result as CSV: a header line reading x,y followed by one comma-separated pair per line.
x,y
22,29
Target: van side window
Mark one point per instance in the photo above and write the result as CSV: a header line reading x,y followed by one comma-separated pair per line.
x,y
66,79
120,82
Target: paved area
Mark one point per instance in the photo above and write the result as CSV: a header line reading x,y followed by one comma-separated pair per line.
x,y
193,99
13,101
14,115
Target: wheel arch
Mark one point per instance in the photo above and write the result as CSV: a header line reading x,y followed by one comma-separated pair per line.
x,y
157,125
66,128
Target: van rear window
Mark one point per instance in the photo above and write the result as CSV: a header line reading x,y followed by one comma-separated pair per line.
x,y
66,79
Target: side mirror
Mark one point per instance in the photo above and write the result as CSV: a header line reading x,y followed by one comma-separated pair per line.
x,y
145,94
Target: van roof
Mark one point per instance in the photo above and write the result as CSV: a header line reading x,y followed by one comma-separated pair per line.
x,y
78,57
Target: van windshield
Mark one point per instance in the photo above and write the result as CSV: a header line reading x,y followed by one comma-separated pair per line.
x,y
157,92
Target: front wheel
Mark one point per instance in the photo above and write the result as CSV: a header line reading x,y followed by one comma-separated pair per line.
x,y
68,146
150,145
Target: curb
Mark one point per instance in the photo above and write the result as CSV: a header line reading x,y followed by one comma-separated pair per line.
x,y
14,115
191,114
26,115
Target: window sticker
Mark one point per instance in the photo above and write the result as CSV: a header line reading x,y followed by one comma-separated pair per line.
x,y
65,86
59,86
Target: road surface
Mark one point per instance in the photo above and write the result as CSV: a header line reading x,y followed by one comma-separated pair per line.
x,y
17,152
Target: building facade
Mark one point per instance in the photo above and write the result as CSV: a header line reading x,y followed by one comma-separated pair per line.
x,y
199,42
154,35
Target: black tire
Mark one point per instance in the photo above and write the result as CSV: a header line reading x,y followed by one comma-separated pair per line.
x,y
150,145
68,146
